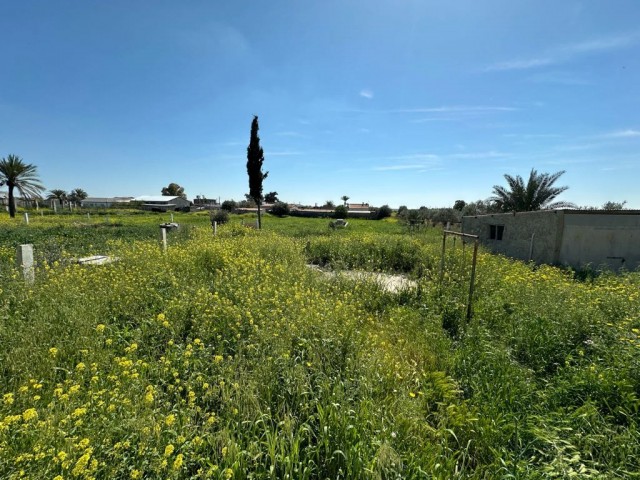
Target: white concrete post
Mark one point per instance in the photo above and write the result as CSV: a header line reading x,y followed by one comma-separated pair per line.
x,y
163,235
24,261
55,206
26,218
172,218
257,223
215,228
88,216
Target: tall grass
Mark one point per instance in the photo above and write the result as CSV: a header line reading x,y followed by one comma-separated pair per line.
x,y
228,357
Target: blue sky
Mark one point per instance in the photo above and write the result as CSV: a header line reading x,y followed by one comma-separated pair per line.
x,y
402,102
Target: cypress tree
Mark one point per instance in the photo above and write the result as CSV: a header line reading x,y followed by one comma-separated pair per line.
x,y
255,158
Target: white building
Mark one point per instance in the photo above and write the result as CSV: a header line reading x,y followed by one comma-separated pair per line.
x,y
162,203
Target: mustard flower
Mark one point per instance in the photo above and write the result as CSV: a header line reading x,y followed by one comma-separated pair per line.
x,y
168,450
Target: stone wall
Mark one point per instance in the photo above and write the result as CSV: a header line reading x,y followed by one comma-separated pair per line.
x,y
610,240
563,237
526,235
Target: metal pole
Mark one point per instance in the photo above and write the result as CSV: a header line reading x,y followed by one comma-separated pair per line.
x,y
444,244
531,246
24,261
163,235
473,279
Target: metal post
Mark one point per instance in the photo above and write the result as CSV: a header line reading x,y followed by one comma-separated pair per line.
x,y
24,261
531,246
163,236
444,244
473,279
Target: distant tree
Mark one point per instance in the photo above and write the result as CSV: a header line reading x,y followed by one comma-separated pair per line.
x,y
271,197
443,215
402,211
614,205
280,209
344,198
229,205
479,207
77,195
341,211
57,194
383,212
14,173
537,194
255,159
329,205
219,216
413,217
174,190
459,205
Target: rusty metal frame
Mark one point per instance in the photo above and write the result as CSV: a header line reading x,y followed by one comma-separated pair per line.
x,y
476,241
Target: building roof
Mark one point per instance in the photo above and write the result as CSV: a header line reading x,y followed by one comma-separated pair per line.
x,y
566,211
106,199
156,198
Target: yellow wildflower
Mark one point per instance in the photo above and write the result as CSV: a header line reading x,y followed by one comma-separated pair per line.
x,y
29,414
177,463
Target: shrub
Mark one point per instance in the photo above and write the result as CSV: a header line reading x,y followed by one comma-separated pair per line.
x,y
280,209
379,213
220,216
229,205
341,212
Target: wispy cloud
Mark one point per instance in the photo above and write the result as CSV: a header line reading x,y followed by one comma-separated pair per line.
x,y
466,109
366,93
559,78
442,110
284,153
478,155
430,161
416,166
413,161
532,135
290,134
524,64
624,134
565,53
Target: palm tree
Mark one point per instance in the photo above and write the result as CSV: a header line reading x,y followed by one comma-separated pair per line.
x,y
344,198
14,173
77,195
537,194
57,194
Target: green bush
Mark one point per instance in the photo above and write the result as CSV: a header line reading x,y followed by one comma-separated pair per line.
x,y
280,209
220,216
341,212
229,205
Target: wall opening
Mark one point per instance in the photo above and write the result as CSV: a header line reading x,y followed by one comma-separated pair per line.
x,y
496,232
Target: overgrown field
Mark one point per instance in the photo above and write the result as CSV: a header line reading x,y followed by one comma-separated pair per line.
x,y
228,357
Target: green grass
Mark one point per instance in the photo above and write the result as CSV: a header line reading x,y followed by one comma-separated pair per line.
x,y
228,357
